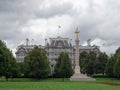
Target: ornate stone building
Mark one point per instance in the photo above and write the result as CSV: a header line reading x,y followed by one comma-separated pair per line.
x,y
53,47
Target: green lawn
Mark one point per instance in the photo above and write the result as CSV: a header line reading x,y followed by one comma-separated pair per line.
x,y
56,84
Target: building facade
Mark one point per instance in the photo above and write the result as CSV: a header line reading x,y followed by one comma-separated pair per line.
x,y
53,47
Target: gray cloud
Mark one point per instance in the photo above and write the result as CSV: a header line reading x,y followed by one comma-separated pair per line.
x,y
95,19
54,10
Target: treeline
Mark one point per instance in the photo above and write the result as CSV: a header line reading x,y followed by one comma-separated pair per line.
x,y
92,64
36,64
113,65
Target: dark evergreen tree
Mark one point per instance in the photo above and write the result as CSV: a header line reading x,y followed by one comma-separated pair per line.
x,y
83,61
113,65
36,64
116,68
100,63
20,69
109,66
63,66
87,61
90,64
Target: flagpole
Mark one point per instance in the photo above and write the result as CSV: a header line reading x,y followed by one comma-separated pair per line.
x,y
59,28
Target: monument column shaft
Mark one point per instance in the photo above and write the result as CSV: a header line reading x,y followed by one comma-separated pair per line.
x,y
77,53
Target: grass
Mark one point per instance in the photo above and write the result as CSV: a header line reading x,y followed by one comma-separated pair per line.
x,y
56,84
112,80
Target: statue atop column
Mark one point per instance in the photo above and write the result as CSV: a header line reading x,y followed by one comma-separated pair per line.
x,y
77,33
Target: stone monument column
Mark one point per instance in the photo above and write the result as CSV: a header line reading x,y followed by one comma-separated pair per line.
x,y
77,76
77,67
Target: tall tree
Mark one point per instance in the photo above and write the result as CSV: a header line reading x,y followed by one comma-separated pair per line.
x,y
100,63
36,64
116,68
87,61
113,65
63,66
109,66
20,69
90,64
7,62
83,61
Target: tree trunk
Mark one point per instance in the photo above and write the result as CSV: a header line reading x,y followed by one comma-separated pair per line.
x,y
63,79
6,78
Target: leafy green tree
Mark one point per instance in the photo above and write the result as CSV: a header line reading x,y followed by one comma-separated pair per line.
x,y
20,69
87,61
116,68
83,61
109,66
113,65
36,64
90,64
7,62
15,71
100,63
63,66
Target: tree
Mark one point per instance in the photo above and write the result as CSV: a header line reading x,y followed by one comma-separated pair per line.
x,y
36,64
20,69
83,61
90,64
14,70
7,62
87,61
63,66
116,67
109,66
100,63
113,65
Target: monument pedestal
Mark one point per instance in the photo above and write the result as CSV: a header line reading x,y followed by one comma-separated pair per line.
x,y
77,76
81,77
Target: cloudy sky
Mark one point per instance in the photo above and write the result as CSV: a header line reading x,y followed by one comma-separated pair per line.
x,y
98,20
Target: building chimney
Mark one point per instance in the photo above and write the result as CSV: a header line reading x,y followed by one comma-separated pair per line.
x,y
27,41
89,42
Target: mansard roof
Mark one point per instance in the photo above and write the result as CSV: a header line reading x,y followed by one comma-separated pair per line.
x,y
21,50
60,42
24,49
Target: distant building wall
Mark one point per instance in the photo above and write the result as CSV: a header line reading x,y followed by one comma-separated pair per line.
x,y
54,47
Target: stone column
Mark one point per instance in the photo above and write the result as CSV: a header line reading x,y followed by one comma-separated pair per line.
x,y
77,67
